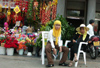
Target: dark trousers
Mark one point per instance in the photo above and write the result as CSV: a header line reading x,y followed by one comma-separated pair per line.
x,y
74,49
48,50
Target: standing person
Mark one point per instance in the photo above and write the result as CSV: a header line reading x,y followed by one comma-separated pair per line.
x,y
91,30
54,43
29,30
80,36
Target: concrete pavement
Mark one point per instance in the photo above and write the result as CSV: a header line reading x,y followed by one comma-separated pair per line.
x,y
33,62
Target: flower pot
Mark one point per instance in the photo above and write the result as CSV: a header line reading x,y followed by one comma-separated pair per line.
x,y
26,51
10,51
34,50
2,50
37,53
30,49
21,51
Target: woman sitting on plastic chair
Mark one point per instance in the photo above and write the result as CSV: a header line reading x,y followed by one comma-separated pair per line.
x,y
80,36
53,42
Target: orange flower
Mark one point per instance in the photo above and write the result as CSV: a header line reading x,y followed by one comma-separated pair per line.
x,y
21,46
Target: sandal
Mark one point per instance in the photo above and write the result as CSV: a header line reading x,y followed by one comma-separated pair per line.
x,y
70,64
63,64
50,65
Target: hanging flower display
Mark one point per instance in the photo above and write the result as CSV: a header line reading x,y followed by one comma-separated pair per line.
x,y
54,9
45,11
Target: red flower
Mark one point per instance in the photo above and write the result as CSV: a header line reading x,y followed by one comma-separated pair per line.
x,y
11,43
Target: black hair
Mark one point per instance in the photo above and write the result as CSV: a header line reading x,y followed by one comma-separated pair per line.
x,y
91,21
81,28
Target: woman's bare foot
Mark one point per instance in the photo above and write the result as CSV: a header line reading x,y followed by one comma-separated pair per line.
x,y
75,59
70,64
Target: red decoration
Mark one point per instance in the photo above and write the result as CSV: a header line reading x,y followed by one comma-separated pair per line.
x,y
2,15
25,10
40,13
22,5
43,16
27,2
54,10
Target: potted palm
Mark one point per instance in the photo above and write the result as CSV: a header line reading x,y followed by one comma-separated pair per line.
x,y
10,44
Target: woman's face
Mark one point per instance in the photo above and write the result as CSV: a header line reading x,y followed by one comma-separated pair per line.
x,y
82,30
57,26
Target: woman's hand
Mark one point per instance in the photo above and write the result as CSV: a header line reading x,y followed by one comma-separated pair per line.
x,y
54,51
60,49
74,41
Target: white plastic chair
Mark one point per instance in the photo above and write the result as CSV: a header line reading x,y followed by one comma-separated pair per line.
x,y
79,51
66,43
45,36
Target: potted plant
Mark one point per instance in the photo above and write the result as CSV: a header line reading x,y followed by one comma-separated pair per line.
x,y
29,43
10,44
21,47
2,48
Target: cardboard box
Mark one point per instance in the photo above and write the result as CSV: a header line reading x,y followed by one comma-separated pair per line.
x,y
2,44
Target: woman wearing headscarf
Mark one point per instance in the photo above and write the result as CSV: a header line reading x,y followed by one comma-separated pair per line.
x,y
80,36
54,42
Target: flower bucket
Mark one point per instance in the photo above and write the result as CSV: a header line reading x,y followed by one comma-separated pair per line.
x,y
30,49
10,51
2,50
25,52
34,50
21,51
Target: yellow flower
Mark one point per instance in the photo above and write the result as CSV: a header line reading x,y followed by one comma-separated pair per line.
x,y
23,41
28,39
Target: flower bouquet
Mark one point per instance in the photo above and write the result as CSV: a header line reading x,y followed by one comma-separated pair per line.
x,y
10,44
29,43
21,47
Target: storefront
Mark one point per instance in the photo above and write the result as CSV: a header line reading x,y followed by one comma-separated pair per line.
x,y
80,11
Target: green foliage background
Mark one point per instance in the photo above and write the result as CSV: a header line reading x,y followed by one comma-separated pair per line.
x,y
67,30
